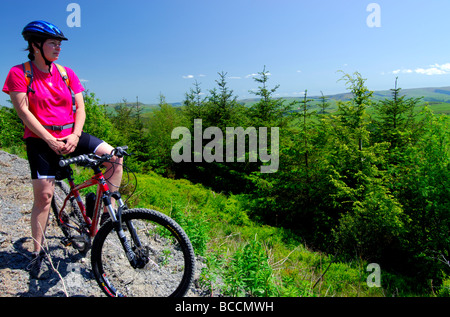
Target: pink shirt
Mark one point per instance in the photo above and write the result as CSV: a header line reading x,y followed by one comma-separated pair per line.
x,y
51,103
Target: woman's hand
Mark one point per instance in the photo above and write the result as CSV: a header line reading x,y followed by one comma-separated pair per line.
x,y
70,143
56,145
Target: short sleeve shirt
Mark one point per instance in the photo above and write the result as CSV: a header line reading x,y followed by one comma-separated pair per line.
x,y
51,103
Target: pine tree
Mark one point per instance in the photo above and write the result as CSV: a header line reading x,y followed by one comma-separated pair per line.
x,y
353,113
222,108
395,120
194,106
98,122
160,126
324,104
268,111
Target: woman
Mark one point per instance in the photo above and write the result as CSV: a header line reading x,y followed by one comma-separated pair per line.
x,y
52,128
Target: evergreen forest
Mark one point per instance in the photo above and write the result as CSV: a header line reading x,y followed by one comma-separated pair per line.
x,y
359,181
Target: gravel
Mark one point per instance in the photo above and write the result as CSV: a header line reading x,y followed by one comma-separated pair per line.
x,y
65,272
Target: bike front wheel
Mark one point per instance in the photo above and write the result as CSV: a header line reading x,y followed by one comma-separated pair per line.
x,y
167,257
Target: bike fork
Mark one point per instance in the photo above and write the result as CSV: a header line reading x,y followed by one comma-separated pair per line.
x,y
136,260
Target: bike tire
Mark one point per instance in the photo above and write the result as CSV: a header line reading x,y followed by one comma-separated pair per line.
x,y
72,214
170,269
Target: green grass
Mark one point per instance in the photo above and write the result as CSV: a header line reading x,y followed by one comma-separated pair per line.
x,y
245,258
440,107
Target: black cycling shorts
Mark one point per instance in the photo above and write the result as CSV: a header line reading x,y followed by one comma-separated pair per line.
x,y
44,162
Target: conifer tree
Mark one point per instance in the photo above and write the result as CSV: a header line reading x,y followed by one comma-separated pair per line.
x,y
395,120
268,111
160,126
324,104
222,108
194,106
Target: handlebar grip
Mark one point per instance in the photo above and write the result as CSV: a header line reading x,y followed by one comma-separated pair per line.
x,y
77,159
120,151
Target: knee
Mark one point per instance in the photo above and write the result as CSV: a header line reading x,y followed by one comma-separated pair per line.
x,y
43,200
119,162
43,193
116,163
113,170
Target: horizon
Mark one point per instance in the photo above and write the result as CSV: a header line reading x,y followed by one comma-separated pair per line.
x,y
288,97
164,47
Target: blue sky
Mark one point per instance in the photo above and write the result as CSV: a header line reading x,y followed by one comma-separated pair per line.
x,y
144,48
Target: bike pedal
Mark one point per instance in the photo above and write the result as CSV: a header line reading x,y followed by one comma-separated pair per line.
x,y
66,242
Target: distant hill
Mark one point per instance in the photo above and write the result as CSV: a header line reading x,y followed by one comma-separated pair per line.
x,y
437,97
432,94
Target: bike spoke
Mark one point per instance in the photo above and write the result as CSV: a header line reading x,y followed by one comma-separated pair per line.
x,y
70,220
166,270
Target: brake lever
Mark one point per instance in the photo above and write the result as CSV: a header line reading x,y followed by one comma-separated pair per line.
x,y
120,152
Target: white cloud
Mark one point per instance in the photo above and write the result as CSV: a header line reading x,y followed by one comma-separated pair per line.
x,y
234,77
301,93
403,71
83,80
445,67
430,71
254,75
435,69
188,76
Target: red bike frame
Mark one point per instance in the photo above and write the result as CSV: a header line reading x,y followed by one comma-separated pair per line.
x,y
102,189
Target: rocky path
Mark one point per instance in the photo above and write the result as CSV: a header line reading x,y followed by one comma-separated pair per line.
x,y
67,274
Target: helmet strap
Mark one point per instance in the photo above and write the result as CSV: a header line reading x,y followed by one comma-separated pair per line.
x,y
47,62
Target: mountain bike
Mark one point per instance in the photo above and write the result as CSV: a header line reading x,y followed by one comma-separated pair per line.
x,y
135,252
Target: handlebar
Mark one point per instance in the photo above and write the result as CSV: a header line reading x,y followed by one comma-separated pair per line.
x,y
94,160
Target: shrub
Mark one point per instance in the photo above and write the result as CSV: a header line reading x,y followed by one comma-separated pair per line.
x,y
373,225
249,272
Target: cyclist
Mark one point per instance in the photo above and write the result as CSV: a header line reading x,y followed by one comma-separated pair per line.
x,y
52,128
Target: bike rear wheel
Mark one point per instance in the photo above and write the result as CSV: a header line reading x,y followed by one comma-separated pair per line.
x,y
162,244
74,227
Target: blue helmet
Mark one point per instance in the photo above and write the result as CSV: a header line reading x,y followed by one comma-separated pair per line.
x,y
42,29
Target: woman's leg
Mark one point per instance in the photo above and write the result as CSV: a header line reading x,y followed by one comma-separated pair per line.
x,y
114,171
43,193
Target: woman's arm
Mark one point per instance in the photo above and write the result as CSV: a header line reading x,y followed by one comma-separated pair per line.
x,y
71,141
80,115
20,103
